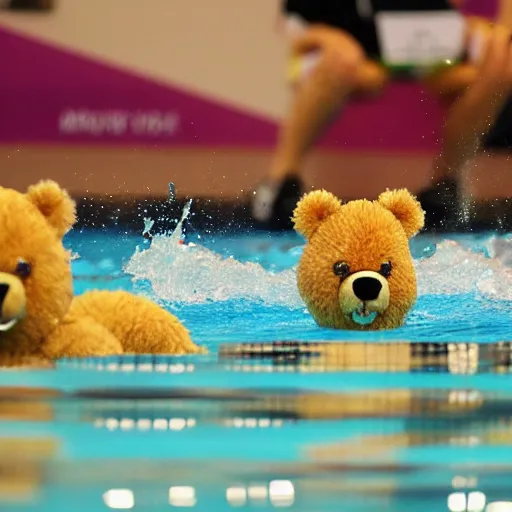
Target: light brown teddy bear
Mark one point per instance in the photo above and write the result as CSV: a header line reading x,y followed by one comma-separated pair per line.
x,y
356,271
40,318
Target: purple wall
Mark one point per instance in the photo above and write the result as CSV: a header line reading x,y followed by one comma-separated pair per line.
x,y
51,95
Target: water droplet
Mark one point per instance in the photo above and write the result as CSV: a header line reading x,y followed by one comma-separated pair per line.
x,y
172,192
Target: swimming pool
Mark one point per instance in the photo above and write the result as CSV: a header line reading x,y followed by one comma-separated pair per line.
x,y
281,413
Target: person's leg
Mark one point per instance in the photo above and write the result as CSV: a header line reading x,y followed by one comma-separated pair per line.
x,y
441,198
483,91
340,71
318,101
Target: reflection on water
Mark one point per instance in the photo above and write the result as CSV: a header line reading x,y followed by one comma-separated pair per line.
x,y
442,444
453,358
317,357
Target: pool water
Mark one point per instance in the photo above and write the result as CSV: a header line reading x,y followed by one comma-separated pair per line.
x,y
243,288
281,413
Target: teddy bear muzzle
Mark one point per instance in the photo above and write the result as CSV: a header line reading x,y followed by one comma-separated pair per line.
x,y
12,301
363,296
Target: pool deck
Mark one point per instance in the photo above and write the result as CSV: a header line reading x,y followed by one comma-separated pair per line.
x,y
115,185
217,214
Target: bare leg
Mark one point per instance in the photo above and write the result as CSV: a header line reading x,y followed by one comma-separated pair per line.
x,y
473,114
470,120
341,71
483,90
318,102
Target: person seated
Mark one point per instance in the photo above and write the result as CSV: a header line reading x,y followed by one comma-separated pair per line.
x,y
336,55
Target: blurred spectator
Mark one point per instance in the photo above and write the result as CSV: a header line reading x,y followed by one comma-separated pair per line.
x,y
336,55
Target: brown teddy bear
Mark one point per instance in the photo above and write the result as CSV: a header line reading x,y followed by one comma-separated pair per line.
x,y
356,271
39,317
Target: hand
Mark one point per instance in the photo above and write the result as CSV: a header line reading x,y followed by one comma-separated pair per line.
x,y
324,38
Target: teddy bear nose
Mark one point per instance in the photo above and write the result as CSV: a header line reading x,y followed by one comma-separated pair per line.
x,y
4,288
366,288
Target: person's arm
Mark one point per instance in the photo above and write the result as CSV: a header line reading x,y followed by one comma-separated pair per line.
x,y
505,13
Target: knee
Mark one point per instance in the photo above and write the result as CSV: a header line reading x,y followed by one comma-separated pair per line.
x,y
494,61
372,78
340,70
451,82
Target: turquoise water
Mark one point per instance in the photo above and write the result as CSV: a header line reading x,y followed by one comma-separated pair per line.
x,y
238,289
415,419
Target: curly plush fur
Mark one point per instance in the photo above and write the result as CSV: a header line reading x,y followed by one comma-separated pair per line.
x,y
39,317
356,271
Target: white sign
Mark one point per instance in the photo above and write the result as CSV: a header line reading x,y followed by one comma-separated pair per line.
x,y
425,38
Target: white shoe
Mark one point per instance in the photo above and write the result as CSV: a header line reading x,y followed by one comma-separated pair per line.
x,y
263,201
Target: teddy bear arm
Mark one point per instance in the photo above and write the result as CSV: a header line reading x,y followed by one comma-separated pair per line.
x,y
82,337
25,361
163,334
141,326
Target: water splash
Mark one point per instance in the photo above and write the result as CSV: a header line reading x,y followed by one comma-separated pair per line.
x,y
189,273
180,272
501,249
171,192
148,226
455,269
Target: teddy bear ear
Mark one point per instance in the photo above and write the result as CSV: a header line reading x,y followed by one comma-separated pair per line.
x,y
405,207
55,204
313,209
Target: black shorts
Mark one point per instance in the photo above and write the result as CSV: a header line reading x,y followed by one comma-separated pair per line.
x,y
357,16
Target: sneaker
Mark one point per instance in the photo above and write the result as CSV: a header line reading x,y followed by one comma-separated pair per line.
x,y
273,202
441,204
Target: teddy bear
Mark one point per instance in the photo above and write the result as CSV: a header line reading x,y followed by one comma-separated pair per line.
x,y
40,319
356,271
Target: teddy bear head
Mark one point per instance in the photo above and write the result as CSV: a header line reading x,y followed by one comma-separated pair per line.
x,y
356,271
36,286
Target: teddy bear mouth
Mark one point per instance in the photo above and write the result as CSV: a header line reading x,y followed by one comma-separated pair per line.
x,y
363,316
8,325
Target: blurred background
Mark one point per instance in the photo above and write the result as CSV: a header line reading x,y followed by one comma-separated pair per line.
x,y
115,99
120,97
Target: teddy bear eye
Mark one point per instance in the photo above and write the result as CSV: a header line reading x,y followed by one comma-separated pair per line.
x,y
385,269
341,269
23,269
